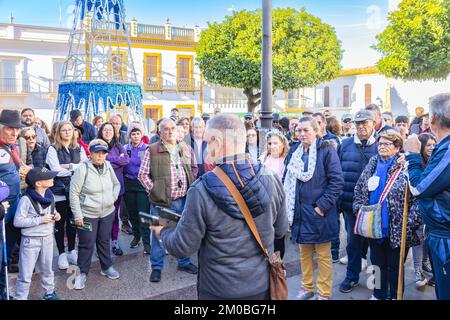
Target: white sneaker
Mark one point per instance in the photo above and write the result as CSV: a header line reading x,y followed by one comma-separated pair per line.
x,y
80,281
421,281
63,263
111,273
373,298
72,257
363,264
343,260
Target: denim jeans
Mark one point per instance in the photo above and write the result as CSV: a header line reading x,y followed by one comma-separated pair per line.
x,y
158,251
356,248
336,243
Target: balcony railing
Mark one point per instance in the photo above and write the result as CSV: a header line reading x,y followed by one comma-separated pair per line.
x,y
181,84
14,86
151,30
182,33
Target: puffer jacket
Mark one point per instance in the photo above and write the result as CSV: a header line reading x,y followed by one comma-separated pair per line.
x,y
231,263
354,157
395,200
322,190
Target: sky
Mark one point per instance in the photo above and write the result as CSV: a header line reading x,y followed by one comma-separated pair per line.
x,y
356,22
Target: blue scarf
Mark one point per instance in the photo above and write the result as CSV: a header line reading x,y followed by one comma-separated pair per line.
x,y
382,172
45,201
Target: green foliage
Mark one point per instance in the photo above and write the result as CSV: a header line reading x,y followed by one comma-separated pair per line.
x,y
306,51
416,43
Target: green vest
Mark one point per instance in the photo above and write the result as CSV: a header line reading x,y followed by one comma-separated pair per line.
x,y
160,173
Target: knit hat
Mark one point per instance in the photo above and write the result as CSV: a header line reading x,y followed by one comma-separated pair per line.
x,y
135,125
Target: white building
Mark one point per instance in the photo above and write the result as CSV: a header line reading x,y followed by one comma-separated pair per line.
x,y
31,59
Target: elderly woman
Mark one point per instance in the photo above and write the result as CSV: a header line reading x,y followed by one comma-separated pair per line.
x,y
136,198
313,182
385,252
93,191
277,150
64,157
118,158
38,152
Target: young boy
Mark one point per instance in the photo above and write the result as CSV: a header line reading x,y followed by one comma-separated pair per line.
x,y
35,215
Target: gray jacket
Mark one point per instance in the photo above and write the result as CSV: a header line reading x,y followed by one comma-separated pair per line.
x,y
231,263
42,137
92,194
30,221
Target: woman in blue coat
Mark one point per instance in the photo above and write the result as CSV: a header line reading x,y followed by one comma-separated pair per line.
x,y
313,182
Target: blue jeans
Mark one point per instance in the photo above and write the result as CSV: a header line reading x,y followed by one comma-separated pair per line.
x,y
441,274
356,248
158,251
336,243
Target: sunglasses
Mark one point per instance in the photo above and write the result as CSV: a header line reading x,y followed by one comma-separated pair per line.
x,y
348,121
28,138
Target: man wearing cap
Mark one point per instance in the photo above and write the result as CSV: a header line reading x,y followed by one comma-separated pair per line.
x,y
174,114
354,154
206,117
249,120
347,123
76,118
28,118
276,122
167,172
12,170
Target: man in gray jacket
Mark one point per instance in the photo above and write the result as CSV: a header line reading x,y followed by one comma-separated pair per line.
x,y
231,264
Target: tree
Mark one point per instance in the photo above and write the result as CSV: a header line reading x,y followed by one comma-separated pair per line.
x,y
416,43
306,52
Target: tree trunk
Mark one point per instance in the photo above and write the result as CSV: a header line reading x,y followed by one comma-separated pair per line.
x,y
253,99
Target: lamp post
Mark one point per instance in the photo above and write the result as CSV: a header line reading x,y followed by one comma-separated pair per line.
x,y
266,74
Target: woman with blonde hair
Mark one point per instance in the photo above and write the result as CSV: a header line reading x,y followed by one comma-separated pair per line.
x,y
64,157
277,151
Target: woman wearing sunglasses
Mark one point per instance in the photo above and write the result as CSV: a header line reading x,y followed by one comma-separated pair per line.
x,y
38,152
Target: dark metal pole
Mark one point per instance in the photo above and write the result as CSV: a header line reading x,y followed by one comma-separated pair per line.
x,y
266,75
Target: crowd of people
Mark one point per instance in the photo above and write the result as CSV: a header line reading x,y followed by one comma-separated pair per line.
x,y
78,182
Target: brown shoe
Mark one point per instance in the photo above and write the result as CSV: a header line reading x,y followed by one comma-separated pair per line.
x,y
126,229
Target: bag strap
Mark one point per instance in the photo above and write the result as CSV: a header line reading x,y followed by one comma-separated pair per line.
x,y
34,204
242,206
389,185
14,159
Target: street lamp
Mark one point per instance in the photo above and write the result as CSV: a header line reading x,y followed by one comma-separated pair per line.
x,y
266,74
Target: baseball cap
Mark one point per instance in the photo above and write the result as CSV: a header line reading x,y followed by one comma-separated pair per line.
x,y
364,115
39,174
74,115
276,117
249,115
347,116
98,148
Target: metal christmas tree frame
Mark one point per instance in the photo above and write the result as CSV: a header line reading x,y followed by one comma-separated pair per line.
x,y
98,76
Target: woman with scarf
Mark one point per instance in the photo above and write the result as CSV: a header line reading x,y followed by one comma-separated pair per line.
x,y
117,156
385,252
313,182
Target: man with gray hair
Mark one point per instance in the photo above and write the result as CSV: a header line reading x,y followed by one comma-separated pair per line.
x,y
167,172
198,144
232,265
432,187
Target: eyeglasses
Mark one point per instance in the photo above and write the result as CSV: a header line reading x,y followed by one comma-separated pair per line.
x,y
347,121
385,144
66,130
28,138
362,123
251,135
